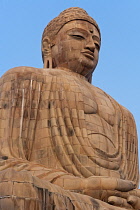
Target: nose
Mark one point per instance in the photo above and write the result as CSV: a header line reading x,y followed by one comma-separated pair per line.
x,y
90,45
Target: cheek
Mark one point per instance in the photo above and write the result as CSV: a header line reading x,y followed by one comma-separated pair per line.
x,y
73,52
55,51
73,55
71,45
96,54
58,54
67,51
77,45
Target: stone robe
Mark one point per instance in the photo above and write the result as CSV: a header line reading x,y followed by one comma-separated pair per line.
x,y
53,122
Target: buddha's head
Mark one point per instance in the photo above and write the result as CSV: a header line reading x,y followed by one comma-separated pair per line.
x,y
72,41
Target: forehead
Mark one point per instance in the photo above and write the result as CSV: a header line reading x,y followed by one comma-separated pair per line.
x,y
79,24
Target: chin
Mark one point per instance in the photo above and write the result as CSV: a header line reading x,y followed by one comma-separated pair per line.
x,y
90,64
88,67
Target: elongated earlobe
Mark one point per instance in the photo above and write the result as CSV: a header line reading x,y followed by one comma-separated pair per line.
x,y
47,62
46,53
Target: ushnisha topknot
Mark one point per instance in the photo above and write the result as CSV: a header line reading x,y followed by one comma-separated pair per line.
x,y
73,13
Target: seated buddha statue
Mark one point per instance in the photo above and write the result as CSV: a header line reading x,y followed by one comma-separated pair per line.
x,y
64,143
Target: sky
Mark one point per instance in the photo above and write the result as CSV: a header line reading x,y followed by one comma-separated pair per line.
x,y
118,71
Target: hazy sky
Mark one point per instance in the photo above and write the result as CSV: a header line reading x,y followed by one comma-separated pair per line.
x,y
118,72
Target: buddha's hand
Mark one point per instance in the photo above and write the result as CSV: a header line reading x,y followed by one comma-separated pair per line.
x,y
92,183
108,183
115,191
130,198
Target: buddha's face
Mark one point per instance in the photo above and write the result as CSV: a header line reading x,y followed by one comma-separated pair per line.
x,y
77,47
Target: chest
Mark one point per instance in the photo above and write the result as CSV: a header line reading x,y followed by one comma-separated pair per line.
x,y
97,105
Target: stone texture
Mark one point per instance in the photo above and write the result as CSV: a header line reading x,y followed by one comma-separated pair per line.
x,y
64,143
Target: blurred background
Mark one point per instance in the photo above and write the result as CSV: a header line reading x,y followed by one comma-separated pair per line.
x,y
118,71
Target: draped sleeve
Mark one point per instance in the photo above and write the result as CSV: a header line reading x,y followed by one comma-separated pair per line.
x,y
128,144
130,148
20,93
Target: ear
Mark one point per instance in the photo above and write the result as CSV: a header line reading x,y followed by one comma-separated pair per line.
x,y
46,52
46,44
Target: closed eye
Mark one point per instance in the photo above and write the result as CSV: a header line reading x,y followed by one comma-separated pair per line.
x,y
77,36
97,46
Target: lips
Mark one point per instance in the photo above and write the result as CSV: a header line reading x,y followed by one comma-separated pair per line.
x,y
88,54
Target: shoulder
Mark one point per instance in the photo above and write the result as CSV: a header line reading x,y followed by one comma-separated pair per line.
x,y
123,109
127,113
25,70
22,70
26,73
45,76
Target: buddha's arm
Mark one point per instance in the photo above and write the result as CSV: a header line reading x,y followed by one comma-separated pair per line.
x,y
19,104
17,87
130,167
115,191
130,161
